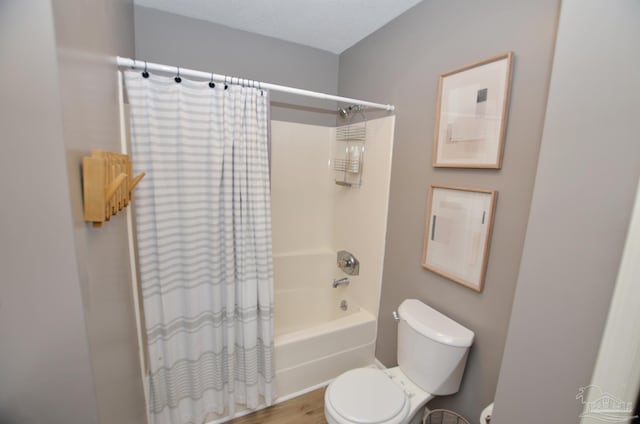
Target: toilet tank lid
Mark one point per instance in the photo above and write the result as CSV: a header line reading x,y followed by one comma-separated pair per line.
x,y
431,323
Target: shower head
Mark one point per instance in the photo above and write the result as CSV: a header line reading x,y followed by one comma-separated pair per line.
x,y
344,112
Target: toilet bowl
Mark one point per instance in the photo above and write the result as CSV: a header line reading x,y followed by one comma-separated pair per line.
x,y
371,395
432,354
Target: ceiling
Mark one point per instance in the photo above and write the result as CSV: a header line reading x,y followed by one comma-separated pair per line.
x,y
332,25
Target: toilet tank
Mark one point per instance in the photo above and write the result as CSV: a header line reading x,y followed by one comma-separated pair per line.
x,y
432,348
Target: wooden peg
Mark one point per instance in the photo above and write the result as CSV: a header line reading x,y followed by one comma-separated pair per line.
x,y
107,185
135,182
114,186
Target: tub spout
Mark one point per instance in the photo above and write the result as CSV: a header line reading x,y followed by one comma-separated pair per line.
x,y
340,282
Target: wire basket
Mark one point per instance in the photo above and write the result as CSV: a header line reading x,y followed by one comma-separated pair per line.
x,y
350,141
443,416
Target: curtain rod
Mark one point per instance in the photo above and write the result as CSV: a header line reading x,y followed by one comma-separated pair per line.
x,y
138,64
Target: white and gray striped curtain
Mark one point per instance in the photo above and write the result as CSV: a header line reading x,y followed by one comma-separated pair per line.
x,y
204,245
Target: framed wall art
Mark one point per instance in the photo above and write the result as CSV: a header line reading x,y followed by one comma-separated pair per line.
x,y
457,233
471,114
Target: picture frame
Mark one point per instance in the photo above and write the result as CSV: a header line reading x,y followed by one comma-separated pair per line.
x,y
457,235
472,110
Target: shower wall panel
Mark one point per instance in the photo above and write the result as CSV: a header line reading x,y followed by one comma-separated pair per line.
x,y
360,215
301,188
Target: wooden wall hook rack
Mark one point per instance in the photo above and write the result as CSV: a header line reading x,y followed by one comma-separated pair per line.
x,y
107,185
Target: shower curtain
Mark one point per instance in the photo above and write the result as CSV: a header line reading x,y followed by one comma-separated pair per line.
x,y
204,245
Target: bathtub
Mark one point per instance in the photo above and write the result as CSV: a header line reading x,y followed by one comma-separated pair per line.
x,y
316,339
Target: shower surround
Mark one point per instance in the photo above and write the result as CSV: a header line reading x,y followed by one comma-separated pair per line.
x,y
317,338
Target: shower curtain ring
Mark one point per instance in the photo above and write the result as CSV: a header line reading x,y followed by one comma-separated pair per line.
x,y
211,83
225,83
145,74
177,78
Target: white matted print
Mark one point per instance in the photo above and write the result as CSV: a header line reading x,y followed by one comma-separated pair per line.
x,y
471,114
458,233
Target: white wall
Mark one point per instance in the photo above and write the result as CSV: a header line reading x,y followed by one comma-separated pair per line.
x,y
301,188
360,215
311,214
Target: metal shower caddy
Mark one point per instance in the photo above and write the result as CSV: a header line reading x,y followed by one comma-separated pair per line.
x,y
350,147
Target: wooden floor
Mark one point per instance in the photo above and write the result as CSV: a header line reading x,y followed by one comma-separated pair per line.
x,y
306,409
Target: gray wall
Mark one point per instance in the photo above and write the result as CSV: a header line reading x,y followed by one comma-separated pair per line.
x,y
45,370
400,64
89,92
587,174
69,349
191,43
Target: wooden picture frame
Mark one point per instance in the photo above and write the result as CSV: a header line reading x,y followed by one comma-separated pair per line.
x,y
457,234
471,114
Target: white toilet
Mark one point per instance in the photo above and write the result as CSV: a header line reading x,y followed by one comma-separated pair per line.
x,y
432,354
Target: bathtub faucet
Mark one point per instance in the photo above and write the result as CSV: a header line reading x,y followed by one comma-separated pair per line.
x,y
340,282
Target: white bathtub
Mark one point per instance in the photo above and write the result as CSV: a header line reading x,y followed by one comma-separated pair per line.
x,y
315,339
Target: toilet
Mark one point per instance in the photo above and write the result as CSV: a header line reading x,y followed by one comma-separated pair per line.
x,y
432,354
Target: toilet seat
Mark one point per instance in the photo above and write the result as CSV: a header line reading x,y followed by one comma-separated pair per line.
x,y
366,396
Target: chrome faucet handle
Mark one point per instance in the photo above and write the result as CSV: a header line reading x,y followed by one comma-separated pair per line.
x,y
348,263
344,263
